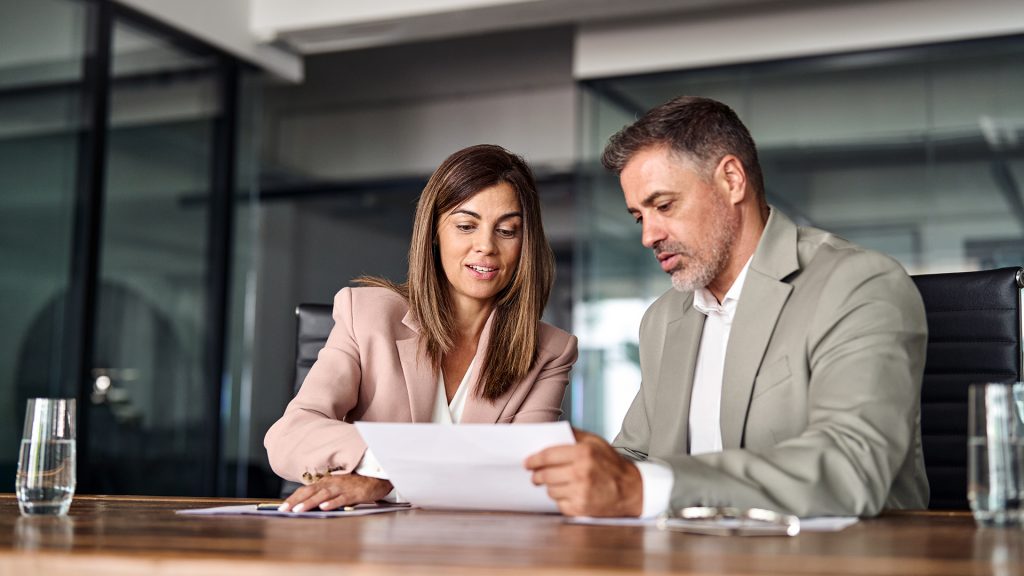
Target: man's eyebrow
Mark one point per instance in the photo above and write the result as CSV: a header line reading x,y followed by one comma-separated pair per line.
x,y
653,197
650,200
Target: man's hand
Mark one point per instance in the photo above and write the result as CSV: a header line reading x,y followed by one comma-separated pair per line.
x,y
589,478
332,492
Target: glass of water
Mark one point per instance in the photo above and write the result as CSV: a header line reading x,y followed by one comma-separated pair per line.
x,y
995,457
46,465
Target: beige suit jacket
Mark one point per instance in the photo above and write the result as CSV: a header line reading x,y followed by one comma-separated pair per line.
x,y
821,387
374,369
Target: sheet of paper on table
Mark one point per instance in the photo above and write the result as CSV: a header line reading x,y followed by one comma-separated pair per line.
x,y
466,466
250,510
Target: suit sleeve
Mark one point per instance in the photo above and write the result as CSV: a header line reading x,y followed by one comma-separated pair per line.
x,y
312,435
865,350
543,403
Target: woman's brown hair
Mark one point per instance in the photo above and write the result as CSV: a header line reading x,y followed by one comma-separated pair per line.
x,y
512,346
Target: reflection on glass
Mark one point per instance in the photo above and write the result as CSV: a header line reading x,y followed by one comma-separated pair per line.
x,y
148,426
239,440
41,53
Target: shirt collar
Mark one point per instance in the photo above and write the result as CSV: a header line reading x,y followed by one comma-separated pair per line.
x,y
705,302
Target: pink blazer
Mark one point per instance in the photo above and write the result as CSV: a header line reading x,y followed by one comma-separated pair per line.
x,y
372,368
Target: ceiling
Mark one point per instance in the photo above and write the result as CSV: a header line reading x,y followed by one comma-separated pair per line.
x,y
306,32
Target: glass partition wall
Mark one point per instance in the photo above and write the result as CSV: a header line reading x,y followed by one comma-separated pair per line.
x,y
150,407
119,164
917,152
41,99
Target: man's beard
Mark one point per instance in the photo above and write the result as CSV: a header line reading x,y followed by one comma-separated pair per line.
x,y
705,262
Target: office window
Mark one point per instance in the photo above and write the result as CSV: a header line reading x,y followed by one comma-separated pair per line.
x,y
41,53
149,409
916,152
119,156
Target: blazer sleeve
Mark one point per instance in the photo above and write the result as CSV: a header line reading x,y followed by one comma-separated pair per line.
x,y
543,403
865,350
312,435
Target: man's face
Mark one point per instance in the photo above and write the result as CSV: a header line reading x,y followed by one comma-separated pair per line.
x,y
686,217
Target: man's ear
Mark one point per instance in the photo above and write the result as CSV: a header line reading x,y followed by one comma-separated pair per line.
x,y
733,178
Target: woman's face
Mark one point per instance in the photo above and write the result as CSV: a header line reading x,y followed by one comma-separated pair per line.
x,y
480,242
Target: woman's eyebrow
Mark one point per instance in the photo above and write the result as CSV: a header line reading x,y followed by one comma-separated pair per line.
x,y
505,216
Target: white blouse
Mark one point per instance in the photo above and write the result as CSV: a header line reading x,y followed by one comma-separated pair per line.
x,y
444,413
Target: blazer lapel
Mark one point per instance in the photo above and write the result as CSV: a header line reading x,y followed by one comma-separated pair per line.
x,y
669,429
761,302
420,378
479,410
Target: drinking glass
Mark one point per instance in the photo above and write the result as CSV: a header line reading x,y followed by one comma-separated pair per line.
x,y
46,464
995,457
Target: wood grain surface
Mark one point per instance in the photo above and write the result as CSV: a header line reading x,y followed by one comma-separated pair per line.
x,y
115,535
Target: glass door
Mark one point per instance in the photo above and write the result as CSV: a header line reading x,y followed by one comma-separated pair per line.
x,y
41,98
152,404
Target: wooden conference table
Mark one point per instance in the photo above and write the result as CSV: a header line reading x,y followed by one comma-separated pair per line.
x,y
113,535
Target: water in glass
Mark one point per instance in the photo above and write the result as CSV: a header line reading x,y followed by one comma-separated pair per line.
x,y
995,486
46,477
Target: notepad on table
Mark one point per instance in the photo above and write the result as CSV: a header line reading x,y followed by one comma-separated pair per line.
x,y
252,510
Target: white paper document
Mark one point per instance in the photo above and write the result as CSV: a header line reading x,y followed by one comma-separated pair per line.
x,y
811,524
466,466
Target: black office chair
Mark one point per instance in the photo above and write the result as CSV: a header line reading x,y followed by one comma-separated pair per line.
x,y
313,323
974,335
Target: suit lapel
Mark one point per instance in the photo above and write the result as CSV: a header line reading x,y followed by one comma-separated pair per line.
x,y
761,302
479,410
420,378
751,330
678,360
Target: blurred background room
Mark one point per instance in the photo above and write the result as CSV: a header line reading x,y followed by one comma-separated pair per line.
x,y
177,175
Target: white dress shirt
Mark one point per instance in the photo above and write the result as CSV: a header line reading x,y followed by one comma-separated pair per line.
x,y
444,413
705,430
705,427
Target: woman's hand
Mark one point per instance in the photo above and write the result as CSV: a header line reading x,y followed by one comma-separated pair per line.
x,y
332,492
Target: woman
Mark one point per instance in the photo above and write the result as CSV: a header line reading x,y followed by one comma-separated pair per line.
x,y
460,341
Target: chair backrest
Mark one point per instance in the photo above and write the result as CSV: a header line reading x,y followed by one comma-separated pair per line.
x,y
312,326
313,323
974,335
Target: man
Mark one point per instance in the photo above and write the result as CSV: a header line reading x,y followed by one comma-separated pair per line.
x,y
784,369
